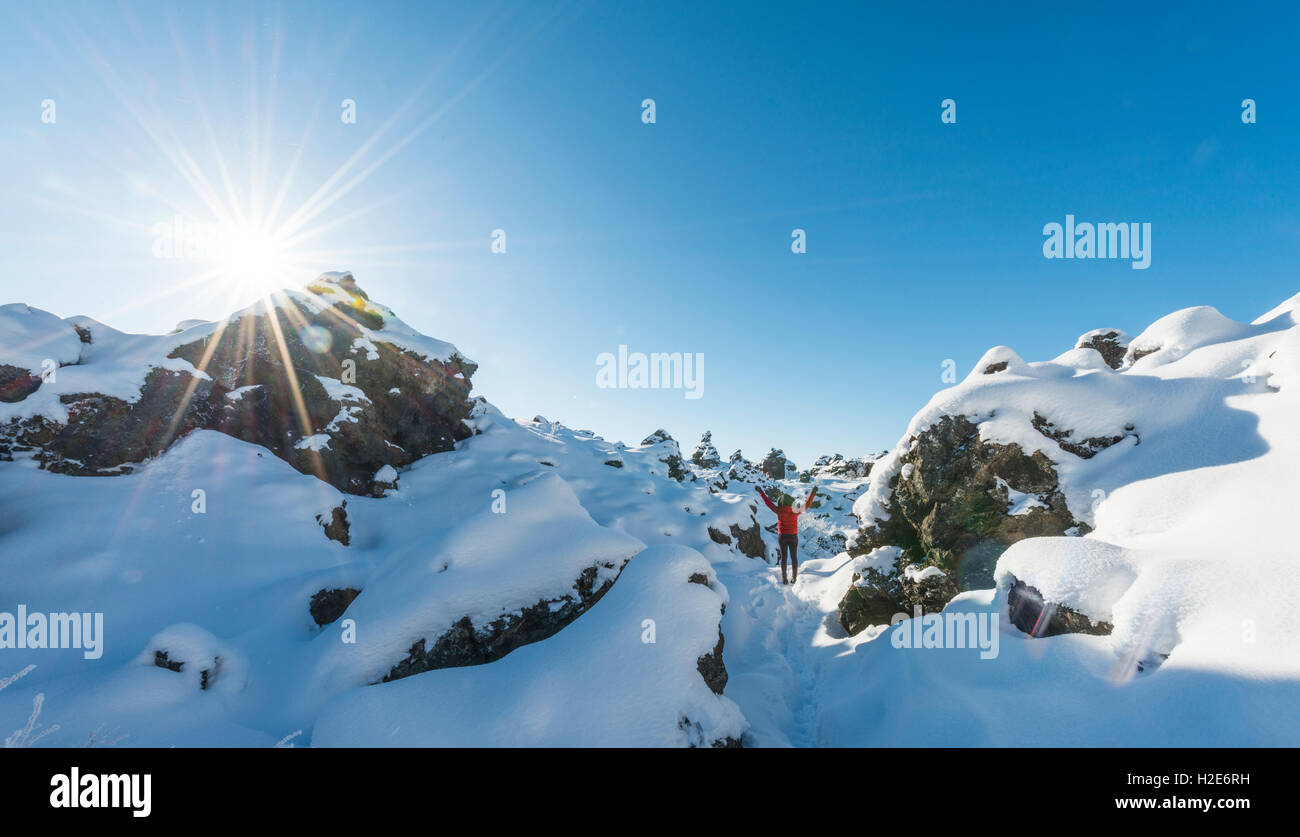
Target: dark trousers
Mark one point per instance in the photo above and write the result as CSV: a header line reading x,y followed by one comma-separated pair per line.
x,y
789,545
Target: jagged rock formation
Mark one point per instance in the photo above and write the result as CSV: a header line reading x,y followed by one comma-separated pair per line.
x,y
748,540
705,454
1110,343
837,465
776,466
326,380
951,508
336,524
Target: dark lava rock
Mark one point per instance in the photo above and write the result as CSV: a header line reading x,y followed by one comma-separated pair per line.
x,y
949,510
16,384
1108,344
705,454
1084,448
337,527
161,660
466,644
412,406
750,541
1036,617
329,604
206,676
775,465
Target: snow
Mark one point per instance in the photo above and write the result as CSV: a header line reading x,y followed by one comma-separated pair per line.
x,y
1192,558
1021,503
238,393
1084,574
316,441
597,683
340,391
328,289
913,572
491,565
114,363
29,336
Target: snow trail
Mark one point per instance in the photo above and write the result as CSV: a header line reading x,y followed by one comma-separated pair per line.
x,y
778,643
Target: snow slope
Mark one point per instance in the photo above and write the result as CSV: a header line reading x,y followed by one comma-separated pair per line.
x,y
598,683
1192,559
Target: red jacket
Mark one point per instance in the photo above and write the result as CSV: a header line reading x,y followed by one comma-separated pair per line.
x,y
787,517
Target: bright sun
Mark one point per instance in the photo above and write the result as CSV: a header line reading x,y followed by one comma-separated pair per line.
x,y
253,259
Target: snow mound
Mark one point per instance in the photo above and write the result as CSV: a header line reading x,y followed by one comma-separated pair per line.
x,y
495,563
1174,335
601,682
30,336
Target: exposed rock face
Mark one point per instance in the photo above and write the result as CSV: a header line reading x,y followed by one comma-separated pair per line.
x,y
1083,448
16,384
337,527
1036,617
950,508
712,668
314,384
466,644
870,604
328,605
719,537
748,540
1110,343
714,672
875,597
710,665
103,433
776,466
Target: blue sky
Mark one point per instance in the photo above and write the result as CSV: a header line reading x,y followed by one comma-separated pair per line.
x,y
924,239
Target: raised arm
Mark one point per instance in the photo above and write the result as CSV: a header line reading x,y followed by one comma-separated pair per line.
x,y
807,501
759,489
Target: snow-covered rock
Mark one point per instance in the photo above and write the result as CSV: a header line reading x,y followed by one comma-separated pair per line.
x,y
627,674
326,379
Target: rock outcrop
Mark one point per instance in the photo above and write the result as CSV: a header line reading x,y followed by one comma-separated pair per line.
x,y
1030,613
467,644
951,508
1110,343
329,604
776,466
318,378
705,454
